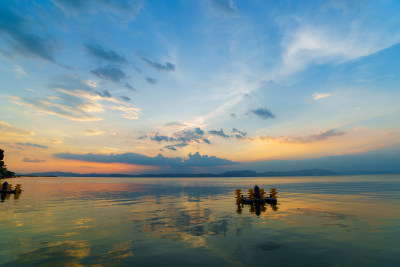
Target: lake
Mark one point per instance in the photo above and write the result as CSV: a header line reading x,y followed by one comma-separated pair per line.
x,y
319,221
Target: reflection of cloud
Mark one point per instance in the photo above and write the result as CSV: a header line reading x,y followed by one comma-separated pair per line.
x,y
120,251
306,139
6,129
69,251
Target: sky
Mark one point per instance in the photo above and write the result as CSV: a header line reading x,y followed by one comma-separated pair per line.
x,y
186,86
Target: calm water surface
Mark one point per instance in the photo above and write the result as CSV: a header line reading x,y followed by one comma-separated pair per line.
x,y
319,221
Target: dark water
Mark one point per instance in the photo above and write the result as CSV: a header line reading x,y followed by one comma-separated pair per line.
x,y
319,221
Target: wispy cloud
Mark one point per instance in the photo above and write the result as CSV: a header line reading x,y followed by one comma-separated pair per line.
x,y
33,160
158,66
320,96
219,133
130,87
21,36
151,80
97,51
224,7
78,104
109,72
32,145
127,9
306,139
310,44
8,129
93,132
263,113
20,71
238,134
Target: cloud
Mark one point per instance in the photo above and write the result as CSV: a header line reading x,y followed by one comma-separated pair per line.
x,y
20,35
68,107
320,96
151,80
158,66
313,43
219,133
193,160
160,138
182,138
130,87
19,70
7,129
99,52
238,134
263,113
77,100
33,160
32,145
233,115
224,7
306,139
173,147
125,8
109,72
92,132
104,93
125,98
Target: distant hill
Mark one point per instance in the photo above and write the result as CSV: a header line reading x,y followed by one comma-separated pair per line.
x,y
244,173
248,173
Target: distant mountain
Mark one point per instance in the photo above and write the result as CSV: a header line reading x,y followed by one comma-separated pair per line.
x,y
244,173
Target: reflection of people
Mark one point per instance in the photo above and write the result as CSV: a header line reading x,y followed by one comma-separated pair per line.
x,y
5,184
256,192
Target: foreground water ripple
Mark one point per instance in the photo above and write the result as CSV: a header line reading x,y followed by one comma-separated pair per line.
x,y
319,221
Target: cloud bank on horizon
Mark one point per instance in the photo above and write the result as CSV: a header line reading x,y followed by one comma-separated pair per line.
x,y
199,85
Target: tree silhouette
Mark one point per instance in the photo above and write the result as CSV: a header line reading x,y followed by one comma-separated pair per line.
x,y
4,173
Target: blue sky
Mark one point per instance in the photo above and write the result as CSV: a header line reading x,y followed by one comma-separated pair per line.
x,y
199,86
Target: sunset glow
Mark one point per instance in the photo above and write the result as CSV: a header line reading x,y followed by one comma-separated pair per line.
x,y
199,86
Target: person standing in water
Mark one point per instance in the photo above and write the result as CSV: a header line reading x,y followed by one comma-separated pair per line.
x,y
257,192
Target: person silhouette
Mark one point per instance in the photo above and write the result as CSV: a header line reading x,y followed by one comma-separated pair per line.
x,y
5,184
257,192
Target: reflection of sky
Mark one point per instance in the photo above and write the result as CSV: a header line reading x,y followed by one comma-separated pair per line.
x,y
186,221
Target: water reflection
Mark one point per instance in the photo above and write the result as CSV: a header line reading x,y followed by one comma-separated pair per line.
x,y
124,222
4,196
255,208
